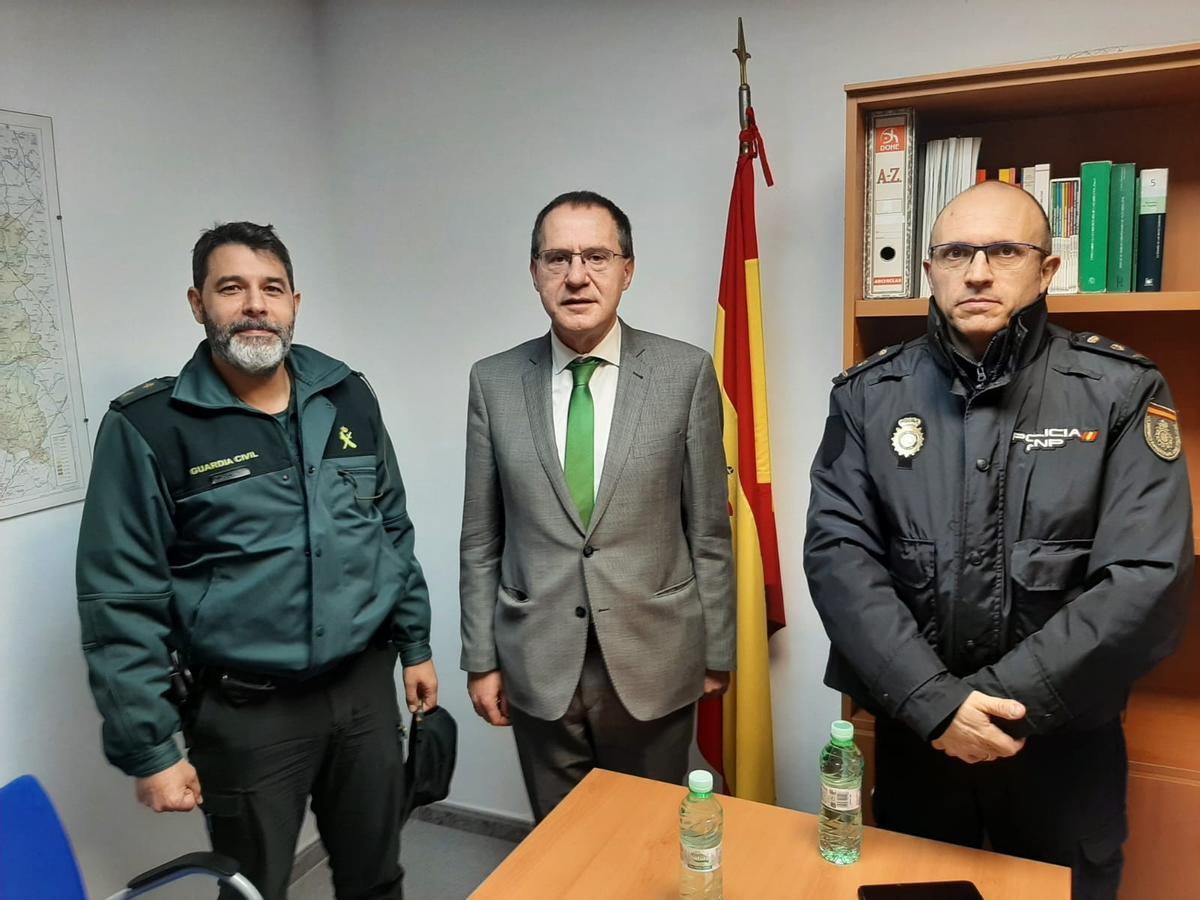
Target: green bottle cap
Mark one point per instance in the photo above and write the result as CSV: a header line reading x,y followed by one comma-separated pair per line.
x,y
700,782
841,730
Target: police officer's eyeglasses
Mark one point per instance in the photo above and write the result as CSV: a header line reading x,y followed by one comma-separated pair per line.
x,y
597,259
1000,255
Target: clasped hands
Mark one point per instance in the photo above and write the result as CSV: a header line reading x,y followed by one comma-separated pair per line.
x,y
973,737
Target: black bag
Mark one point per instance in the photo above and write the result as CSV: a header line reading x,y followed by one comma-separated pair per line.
x,y
432,751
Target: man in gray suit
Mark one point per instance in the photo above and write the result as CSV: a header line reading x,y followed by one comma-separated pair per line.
x,y
596,565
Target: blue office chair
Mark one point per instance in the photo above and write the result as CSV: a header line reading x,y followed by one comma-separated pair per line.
x,y
37,862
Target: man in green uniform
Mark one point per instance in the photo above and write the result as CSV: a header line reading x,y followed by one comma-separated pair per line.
x,y
248,515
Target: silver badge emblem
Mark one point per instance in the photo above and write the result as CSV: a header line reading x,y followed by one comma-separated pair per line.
x,y
909,437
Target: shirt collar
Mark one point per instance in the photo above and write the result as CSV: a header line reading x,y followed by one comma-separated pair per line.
x,y
609,349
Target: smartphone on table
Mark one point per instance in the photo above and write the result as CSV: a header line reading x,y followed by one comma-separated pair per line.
x,y
925,890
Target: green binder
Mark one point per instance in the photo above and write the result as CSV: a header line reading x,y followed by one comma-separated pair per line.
x,y
1122,220
1095,178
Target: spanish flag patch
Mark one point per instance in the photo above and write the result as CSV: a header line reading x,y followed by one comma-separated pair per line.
x,y
1161,428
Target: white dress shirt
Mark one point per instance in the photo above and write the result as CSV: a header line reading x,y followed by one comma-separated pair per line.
x,y
603,386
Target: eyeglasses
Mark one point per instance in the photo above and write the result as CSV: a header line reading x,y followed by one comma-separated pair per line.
x,y
1000,255
597,259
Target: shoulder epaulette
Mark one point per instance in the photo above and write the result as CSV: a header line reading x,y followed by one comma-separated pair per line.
x,y
872,360
1087,340
363,379
134,394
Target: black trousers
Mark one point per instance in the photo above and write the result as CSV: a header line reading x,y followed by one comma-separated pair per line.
x,y
261,755
1060,800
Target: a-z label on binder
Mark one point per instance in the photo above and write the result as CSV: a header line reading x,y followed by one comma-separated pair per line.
x,y
888,264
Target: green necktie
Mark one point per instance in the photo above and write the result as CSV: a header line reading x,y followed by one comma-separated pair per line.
x,y
579,457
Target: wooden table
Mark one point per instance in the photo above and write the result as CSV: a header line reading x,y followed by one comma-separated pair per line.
x,y
616,836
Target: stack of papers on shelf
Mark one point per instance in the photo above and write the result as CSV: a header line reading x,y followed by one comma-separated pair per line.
x,y
948,170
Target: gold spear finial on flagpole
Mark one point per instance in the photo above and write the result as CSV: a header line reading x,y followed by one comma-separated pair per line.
x,y
740,51
744,88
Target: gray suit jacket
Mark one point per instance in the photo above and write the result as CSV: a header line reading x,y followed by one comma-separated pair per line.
x,y
654,571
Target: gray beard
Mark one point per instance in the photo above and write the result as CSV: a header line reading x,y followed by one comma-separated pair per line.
x,y
250,355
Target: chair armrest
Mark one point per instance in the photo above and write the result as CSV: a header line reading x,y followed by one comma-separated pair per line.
x,y
213,865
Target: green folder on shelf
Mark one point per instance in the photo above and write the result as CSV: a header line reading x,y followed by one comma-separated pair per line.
x,y
1095,178
1122,220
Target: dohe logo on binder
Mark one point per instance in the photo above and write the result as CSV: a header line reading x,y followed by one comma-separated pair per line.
x,y
891,138
888,250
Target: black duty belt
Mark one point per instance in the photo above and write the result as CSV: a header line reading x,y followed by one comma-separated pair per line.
x,y
248,684
251,684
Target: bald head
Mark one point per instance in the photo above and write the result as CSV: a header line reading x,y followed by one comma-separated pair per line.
x,y
978,296
993,205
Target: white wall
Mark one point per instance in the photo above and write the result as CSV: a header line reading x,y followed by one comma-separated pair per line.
x,y
454,122
402,150
166,118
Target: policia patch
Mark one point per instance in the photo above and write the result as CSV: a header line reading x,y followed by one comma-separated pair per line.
x,y
1161,428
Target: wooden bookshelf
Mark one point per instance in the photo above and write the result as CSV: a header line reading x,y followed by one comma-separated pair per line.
x,y
1138,107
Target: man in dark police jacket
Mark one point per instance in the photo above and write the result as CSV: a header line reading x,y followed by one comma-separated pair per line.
x,y
999,544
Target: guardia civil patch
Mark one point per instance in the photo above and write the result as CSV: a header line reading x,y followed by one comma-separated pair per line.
x,y
1161,428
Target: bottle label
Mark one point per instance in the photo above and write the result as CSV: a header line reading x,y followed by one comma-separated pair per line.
x,y
841,799
700,859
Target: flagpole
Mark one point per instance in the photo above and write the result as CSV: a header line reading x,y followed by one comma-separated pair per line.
x,y
744,88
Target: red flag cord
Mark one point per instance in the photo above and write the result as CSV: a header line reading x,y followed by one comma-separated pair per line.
x,y
752,140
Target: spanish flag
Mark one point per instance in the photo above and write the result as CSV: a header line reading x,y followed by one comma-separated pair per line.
x,y
735,734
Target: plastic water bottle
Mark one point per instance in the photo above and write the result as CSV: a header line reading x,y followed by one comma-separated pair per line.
x,y
841,796
701,828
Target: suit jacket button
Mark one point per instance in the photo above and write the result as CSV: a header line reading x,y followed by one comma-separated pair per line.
x,y
589,550
580,612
